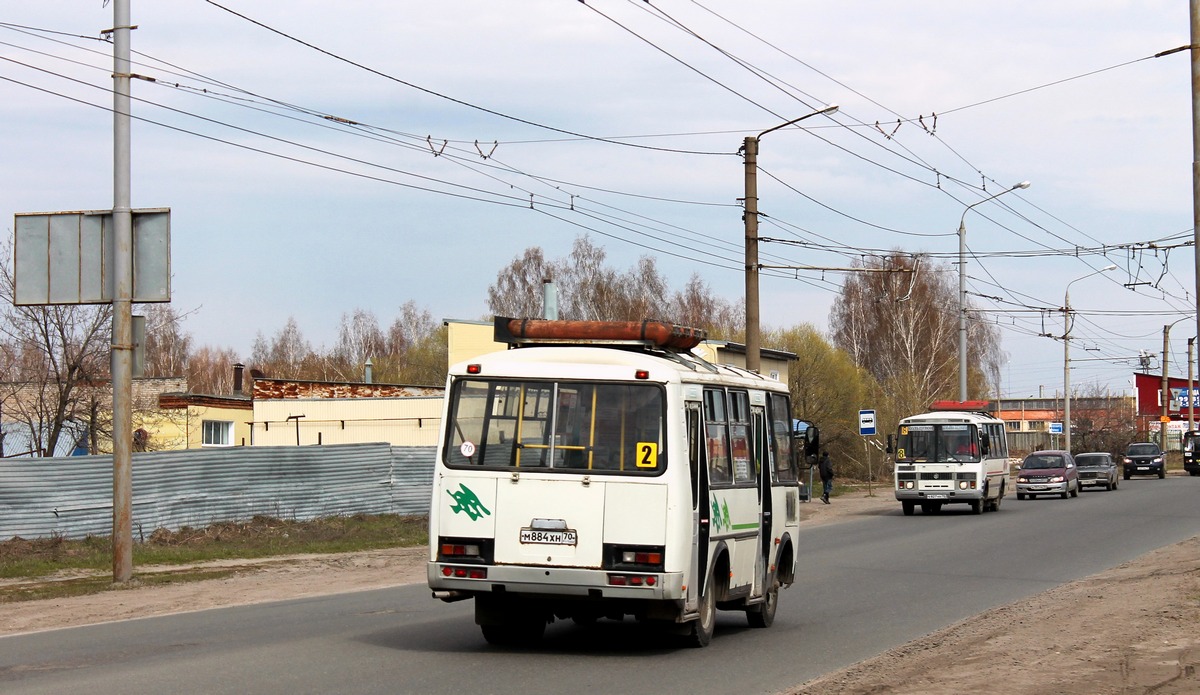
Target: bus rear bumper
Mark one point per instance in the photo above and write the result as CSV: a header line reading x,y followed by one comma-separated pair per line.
x,y
566,582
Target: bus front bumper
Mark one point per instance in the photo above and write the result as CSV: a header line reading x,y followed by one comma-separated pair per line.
x,y
943,496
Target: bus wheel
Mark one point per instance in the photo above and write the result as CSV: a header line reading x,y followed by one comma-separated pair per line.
x,y
763,614
700,630
977,506
908,506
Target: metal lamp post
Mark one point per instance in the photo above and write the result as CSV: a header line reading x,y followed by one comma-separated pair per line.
x,y
753,331
962,289
1067,353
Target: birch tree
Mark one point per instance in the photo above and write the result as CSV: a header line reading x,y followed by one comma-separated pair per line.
x,y
902,327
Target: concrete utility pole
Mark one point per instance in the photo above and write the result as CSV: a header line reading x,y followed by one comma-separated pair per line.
x,y
122,320
1165,396
1194,14
1191,388
753,327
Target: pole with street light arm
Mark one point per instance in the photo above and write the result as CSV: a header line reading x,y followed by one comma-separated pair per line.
x,y
962,289
1067,354
753,327
1165,392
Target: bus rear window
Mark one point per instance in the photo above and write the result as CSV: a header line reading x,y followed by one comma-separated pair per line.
x,y
568,426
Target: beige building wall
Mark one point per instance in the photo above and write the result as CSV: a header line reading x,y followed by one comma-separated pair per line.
x,y
180,424
411,421
773,364
466,340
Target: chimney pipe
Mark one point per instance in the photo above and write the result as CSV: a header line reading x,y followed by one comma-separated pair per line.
x,y
549,300
238,368
367,371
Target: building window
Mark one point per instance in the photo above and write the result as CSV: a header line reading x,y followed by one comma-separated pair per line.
x,y
1013,425
1037,425
217,433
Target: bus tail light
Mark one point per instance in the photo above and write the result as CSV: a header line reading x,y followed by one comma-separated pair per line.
x,y
468,550
634,558
464,572
460,550
632,580
641,557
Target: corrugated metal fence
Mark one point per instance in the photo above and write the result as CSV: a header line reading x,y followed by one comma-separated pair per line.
x,y
72,497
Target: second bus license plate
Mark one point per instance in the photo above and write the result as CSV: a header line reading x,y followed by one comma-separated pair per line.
x,y
563,537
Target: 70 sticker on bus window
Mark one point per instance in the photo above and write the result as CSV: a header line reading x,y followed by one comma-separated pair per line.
x,y
647,455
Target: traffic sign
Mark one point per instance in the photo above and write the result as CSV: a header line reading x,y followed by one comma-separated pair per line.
x,y
866,423
1056,428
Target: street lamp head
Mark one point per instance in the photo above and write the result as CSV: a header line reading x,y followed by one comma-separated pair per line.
x,y
1110,266
832,108
1023,184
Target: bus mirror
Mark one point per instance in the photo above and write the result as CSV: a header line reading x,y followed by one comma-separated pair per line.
x,y
890,449
812,444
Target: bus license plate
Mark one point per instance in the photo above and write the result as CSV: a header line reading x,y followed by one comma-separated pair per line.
x,y
937,497
557,537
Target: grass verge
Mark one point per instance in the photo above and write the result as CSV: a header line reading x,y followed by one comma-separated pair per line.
x,y
39,565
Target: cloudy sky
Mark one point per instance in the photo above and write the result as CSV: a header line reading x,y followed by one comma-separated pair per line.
x,y
295,144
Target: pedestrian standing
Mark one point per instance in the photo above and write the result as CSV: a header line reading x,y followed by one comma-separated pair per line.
x,y
825,468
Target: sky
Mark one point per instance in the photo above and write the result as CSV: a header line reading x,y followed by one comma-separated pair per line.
x,y
321,158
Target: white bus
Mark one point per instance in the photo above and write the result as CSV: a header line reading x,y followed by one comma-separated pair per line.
x,y
955,454
600,469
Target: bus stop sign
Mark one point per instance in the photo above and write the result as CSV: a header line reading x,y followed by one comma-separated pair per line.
x,y
866,423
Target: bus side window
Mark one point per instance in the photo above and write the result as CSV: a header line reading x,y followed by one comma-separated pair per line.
x,y
716,437
739,431
779,419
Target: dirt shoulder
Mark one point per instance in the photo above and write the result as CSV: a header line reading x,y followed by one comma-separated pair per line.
x,y
1093,636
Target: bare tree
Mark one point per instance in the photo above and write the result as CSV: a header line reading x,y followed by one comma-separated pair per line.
x,y
591,290
417,344
518,288
54,355
287,354
210,370
359,339
902,327
698,307
1101,421
168,346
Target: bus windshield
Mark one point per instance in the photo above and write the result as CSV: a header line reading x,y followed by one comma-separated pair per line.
x,y
932,443
577,427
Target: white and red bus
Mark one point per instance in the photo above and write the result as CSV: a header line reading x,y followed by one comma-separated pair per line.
x,y
956,453
602,470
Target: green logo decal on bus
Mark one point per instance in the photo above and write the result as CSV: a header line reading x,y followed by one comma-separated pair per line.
x,y
465,500
720,515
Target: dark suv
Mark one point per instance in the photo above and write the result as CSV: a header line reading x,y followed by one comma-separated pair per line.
x,y
1144,458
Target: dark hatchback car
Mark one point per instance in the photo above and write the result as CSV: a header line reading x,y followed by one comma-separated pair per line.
x,y
1048,473
1144,458
1097,469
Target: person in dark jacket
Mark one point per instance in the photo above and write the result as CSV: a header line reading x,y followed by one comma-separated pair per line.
x,y
825,468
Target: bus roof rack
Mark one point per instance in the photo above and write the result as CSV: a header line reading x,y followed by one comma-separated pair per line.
x,y
521,332
962,406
